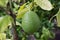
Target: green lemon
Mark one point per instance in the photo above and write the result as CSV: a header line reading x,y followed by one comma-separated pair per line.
x,y
30,22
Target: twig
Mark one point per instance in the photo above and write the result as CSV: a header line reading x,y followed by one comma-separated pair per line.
x,y
14,33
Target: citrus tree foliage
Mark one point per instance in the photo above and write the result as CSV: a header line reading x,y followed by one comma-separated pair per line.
x,y
44,4
58,16
3,3
30,18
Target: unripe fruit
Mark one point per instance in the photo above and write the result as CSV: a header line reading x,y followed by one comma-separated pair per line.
x,y
30,22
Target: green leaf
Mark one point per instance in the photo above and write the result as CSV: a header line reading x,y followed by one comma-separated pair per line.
x,y
1,18
2,36
3,3
58,18
21,13
37,35
4,23
23,38
8,39
23,9
44,4
46,33
17,23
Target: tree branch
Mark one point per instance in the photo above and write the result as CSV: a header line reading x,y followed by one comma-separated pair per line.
x,y
14,33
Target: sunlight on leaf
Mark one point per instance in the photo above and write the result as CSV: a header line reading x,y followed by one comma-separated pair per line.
x,y
58,18
3,3
1,18
2,36
8,39
21,13
17,23
44,4
4,23
23,9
